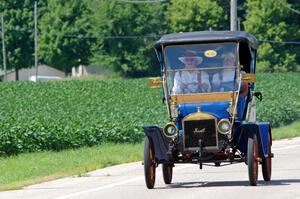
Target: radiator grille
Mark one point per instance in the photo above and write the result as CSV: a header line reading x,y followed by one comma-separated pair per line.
x,y
200,129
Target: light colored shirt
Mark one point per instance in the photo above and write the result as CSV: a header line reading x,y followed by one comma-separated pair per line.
x,y
227,77
189,82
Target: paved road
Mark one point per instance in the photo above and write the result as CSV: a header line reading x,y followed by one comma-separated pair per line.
x,y
127,181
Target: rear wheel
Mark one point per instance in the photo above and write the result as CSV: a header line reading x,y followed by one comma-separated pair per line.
x,y
266,164
149,163
252,160
167,170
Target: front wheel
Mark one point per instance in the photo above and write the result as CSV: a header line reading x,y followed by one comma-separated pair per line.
x,y
217,164
167,170
252,160
149,163
266,164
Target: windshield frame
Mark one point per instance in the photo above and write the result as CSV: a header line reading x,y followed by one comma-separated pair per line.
x,y
236,67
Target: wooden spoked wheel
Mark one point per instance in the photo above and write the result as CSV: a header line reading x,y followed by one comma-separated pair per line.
x,y
149,163
167,170
266,164
252,160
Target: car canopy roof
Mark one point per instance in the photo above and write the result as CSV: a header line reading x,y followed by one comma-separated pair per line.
x,y
207,37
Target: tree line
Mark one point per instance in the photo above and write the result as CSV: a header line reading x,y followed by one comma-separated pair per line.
x,y
119,36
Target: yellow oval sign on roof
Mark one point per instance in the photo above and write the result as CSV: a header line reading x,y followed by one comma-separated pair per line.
x,y
210,53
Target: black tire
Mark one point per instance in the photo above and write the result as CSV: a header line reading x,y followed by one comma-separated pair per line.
x,y
217,164
167,170
266,164
149,163
252,160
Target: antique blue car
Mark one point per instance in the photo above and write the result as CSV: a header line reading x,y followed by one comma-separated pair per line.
x,y
208,85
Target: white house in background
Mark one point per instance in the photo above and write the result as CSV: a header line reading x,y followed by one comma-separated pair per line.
x,y
44,73
87,70
43,78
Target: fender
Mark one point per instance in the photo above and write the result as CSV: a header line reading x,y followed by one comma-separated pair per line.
x,y
262,130
160,142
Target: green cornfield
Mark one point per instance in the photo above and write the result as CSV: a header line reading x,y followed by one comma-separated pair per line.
x,y
281,98
75,113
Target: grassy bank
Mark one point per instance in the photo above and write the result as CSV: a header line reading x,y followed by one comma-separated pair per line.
x,y
32,168
290,131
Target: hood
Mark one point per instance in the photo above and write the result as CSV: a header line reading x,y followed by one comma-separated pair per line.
x,y
217,109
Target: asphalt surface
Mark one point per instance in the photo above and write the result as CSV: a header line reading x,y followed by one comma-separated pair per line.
x,y
127,181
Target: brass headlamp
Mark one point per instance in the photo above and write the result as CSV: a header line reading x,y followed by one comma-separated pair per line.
x,y
170,130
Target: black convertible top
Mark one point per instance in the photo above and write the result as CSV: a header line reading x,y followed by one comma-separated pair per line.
x,y
207,36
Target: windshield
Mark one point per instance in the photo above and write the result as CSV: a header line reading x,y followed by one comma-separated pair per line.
x,y
201,68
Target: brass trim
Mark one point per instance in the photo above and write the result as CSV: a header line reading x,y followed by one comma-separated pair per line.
x,y
165,85
199,116
249,78
202,97
155,82
170,124
218,129
210,53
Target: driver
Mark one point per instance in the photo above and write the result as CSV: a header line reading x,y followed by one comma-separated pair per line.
x,y
191,80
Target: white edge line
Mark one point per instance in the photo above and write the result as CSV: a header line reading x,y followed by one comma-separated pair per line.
x,y
113,184
286,147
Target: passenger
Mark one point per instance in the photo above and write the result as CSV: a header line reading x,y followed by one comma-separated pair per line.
x,y
191,80
224,81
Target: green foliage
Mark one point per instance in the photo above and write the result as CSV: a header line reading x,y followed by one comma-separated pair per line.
x,y
68,114
194,15
281,94
103,32
19,34
270,20
130,56
63,26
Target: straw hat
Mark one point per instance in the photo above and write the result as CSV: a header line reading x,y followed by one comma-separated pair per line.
x,y
189,56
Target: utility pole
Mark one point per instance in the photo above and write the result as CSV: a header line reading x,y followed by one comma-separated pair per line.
x,y
35,42
233,15
3,48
